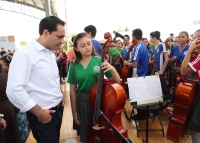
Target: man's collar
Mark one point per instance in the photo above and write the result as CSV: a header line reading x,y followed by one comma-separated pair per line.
x,y
38,46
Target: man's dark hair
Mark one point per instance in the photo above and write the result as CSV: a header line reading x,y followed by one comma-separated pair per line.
x,y
50,23
155,34
92,29
171,34
127,36
137,33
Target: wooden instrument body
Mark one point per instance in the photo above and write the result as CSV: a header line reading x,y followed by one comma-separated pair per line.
x,y
183,103
126,72
112,105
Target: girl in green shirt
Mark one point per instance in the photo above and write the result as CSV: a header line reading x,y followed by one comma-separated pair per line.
x,y
86,70
115,55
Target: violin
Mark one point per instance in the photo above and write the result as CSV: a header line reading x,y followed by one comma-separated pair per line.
x,y
126,71
108,43
107,99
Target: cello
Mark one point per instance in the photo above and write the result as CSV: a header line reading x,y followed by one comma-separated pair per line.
x,y
107,98
126,71
183,103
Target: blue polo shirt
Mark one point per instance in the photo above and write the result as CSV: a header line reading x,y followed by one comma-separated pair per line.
x,y
126,52
97,46
180,55
159,57
150,54
141,56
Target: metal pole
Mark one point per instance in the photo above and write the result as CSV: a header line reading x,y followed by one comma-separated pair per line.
x,y
67,36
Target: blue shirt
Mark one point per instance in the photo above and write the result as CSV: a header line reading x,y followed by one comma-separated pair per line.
x,y
141,56
97,46
126,54
180,55
159,57
150,54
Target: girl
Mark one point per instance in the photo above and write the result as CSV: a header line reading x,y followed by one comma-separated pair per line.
x,y
85,70
62,64
192,64
116,56
178,53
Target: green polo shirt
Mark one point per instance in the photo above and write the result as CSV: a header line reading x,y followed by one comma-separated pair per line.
x,y
114,53
86,76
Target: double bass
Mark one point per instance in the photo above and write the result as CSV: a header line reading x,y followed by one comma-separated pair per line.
x,y
107,98
126,71
183,102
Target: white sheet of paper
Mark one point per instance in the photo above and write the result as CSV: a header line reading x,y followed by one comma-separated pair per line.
x,y
145,90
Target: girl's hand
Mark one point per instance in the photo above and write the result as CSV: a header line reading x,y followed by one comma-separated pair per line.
x,y
107,67
76,120
195,44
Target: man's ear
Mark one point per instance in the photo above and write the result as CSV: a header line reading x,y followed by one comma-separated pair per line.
x,y
45,32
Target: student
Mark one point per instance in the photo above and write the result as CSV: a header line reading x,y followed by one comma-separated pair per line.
x,y
140,55
115,54
87,67
126,52
178,53
91,31
161,55
150,55
192,65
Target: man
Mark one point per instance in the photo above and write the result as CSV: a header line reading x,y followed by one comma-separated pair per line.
x,y
140,55
161,55
91,31
33,81
139,63
2,52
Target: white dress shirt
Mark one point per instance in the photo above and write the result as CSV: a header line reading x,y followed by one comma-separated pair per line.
x,y
33,78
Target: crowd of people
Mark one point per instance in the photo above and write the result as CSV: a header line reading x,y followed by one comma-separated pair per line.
x,y
30,93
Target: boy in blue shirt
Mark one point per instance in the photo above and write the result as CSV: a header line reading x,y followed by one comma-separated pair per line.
x,y
161,55
91,31
140,55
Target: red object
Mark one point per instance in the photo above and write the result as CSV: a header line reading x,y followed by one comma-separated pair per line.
x,y
109,98
183,103
108,43
112,105
126,71
63,59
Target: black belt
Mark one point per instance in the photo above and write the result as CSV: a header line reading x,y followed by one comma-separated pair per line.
x,y
56,107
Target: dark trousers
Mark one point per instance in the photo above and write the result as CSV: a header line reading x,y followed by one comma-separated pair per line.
x,y
62,71
49,132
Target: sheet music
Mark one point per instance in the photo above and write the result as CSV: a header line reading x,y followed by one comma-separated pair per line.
x,y
145,89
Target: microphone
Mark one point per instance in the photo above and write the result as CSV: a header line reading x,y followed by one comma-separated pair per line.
x,y
118,35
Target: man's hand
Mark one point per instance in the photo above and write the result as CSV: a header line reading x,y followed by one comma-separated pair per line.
x,y
2,124
160,72
126,62
45,116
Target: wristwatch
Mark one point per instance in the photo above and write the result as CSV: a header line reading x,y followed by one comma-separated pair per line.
x,y
1,115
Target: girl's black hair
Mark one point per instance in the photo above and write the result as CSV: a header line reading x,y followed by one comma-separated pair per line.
x,y
75,43
186,33
6,59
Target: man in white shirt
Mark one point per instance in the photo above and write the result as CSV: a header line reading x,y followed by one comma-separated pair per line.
x,y
33,81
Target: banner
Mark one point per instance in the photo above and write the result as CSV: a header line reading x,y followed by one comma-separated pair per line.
x,y
7,42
